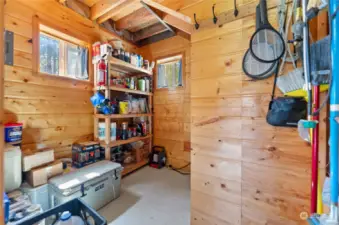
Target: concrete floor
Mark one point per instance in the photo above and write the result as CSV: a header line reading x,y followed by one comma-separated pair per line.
x,y
151,197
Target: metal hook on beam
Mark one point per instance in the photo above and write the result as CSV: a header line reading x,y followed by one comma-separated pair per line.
x,y
196,22
215,19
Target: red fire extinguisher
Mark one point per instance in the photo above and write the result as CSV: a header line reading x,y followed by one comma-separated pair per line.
x,y
101,73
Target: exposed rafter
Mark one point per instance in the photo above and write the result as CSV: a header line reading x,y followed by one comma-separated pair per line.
x,y
155,14
77,6
156,38
149,32
137,19
104,6
171,17
124,8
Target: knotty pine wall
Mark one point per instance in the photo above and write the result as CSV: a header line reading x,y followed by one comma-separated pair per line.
x,y
172,107
243,170
55,111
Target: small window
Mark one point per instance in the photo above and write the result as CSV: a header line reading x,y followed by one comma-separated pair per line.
x,y
169,72
60,54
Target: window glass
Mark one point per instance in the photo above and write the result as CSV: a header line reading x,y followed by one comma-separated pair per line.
x,y
76,61
62,58
49,55
169,74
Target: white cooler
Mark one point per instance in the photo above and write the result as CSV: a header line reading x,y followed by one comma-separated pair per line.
x,y
96,184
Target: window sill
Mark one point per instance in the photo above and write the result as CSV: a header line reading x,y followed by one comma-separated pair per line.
x,y
180,88
63,77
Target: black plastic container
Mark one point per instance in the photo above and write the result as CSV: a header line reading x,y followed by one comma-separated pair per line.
x,y
76,207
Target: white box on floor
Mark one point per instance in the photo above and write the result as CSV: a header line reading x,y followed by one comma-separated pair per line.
x,y
96,184
38,195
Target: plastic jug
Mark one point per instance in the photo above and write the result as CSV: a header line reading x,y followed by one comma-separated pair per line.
x,y
66,218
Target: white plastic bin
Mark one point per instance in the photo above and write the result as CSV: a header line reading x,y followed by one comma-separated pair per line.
x,y
38,195
13,176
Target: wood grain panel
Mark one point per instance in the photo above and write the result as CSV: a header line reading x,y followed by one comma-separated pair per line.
x,y
172,107
217,127
216,167
225,148
56,143
32,91
33,135
18,26
270,208
230,138
200,218
36,121
218,209
55,111
23,75
33,106
278,155
227,190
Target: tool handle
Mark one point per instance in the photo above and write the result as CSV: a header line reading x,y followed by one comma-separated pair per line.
x,y
263,12
257,17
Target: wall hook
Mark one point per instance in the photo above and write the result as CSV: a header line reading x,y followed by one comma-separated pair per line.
x,y
215,19
196,23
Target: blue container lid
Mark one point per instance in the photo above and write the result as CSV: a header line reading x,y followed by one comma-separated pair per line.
x,y
65,216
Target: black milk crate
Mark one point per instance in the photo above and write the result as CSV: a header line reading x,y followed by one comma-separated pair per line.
x,y
76,207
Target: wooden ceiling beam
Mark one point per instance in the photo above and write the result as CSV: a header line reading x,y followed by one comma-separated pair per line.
x,y
104,6
171,17
155,38
157,15
134,20
149,31
120,9
77,6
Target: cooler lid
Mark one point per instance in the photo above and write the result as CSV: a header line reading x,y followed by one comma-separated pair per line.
x,y
80,176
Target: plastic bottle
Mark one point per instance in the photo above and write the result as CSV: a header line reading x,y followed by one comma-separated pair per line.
x,y
66,218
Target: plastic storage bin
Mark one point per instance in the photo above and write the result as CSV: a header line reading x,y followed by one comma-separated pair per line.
x,y
12,169
76,207
37,195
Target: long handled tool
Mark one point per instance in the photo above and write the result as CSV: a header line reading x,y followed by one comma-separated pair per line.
x,y
332,217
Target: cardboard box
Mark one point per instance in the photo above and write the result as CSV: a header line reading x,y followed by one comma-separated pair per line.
x,y
85,153
31,160
40,175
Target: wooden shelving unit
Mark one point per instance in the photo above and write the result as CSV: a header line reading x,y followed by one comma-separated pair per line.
x,y
126,69
125,90
118,116
123,142
131,167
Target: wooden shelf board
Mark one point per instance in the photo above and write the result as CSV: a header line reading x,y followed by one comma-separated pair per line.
x,y
123,142
123,66
102,116
126,90
132,167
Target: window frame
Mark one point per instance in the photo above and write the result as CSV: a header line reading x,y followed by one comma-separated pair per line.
x,y
183,71
64,34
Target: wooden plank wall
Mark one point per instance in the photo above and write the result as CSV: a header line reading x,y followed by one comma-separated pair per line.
x,y
2,3
243,170
172,107
55,111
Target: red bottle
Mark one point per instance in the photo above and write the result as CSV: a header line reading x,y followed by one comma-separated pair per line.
x,y
102,68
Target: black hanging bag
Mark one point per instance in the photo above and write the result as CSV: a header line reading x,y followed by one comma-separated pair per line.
x,y
285,111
